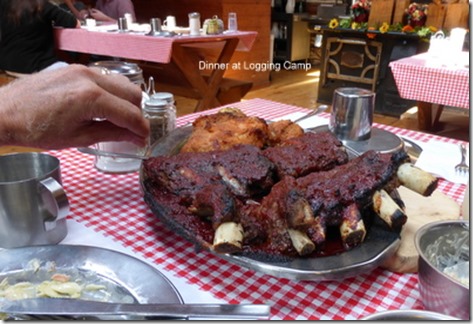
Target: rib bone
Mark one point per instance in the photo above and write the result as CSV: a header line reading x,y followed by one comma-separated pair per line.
x,y
228,238
388,210
417,179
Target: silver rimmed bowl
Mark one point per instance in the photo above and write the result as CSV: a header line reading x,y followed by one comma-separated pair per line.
x,y
444,256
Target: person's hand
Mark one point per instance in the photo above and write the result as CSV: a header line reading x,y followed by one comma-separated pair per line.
x,y
71,107
100,16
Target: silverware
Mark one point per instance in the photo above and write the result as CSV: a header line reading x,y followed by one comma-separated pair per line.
x,y
85,308
314,112
93,151
462,167
412,149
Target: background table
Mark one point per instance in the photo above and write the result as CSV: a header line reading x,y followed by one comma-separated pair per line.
x,y
178,58
113,206
431,80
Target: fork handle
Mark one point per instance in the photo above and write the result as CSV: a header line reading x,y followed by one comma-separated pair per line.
x,y
463,152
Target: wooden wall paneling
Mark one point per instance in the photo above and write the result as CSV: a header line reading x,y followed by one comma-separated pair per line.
x,y
400,7
381,11
147,9
436,15
457,15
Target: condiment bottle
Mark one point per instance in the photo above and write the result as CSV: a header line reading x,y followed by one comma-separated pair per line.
x,y
162,117
194,23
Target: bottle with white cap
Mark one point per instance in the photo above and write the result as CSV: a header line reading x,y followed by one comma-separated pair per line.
x,y
161,115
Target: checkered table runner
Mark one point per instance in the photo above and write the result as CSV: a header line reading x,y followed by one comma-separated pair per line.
x,y
137,46
113,205
423,78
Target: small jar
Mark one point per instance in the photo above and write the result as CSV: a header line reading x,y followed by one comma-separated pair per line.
x,y
162,118
194,23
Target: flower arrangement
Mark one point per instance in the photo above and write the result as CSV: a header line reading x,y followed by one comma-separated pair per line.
x,y
361,10
416,14
372,31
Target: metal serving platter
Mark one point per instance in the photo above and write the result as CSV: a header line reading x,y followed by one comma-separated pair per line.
x,y
380,242
127,279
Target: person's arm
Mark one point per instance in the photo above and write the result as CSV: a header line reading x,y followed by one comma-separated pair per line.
x,y
100,16
60,17
71,107
78,14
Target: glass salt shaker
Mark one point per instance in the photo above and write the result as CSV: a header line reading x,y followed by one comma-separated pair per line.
x,y
162,118
169,98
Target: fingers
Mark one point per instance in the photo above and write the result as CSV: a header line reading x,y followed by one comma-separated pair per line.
x,y
121,113
104,132
118,85
120,104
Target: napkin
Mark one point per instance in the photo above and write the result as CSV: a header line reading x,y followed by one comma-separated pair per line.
x,y
310,122
440,158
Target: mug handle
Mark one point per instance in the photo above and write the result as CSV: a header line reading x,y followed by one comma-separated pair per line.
x,y
55,200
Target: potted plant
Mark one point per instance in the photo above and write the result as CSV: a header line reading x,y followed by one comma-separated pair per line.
x,y
361,10
416,14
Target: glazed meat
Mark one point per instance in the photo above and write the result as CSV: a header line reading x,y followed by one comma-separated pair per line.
x,y
304,208
281,201
311,152
243,170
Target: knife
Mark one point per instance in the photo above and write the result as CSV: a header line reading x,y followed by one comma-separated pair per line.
x,y
78,307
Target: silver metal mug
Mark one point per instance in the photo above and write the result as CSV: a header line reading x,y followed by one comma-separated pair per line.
x,y
33,204
352,114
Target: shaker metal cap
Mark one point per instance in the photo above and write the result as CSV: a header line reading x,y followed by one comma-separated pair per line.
x,y
155,104
166,96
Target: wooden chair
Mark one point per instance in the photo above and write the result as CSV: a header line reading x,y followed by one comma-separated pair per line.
x,y
353,60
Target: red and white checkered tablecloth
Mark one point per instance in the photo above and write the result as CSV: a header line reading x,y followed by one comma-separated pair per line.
x,y
137,46
424,78
113,205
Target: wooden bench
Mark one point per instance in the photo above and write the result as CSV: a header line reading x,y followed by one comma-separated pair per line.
x,y
232,90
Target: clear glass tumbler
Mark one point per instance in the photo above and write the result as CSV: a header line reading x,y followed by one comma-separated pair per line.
x,y
232,22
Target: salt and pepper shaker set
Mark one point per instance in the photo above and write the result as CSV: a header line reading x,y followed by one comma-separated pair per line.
x,y
159,108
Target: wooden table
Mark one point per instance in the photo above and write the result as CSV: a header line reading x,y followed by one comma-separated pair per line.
x,y
433,81
183,61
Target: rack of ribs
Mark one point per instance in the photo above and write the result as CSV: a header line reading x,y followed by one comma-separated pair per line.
x,y
279,201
